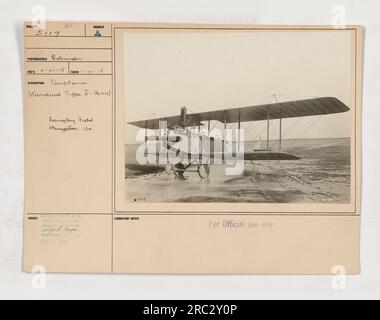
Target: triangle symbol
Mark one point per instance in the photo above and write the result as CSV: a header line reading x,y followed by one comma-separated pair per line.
x,y
98,34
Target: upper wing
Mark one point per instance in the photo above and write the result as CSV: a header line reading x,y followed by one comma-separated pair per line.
x,y
291,109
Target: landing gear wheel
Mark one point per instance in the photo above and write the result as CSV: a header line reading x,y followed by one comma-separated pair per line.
x,y
179,170
204,171
169,169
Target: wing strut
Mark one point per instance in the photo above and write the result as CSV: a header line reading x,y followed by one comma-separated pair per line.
x,y
224,133
268,123
238,150
209,125
280,128
280,138
146,138
200,146
167,144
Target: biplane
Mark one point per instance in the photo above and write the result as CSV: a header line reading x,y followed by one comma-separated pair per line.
x,y
185,123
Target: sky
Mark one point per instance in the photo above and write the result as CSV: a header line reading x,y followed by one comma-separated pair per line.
x,y
211,70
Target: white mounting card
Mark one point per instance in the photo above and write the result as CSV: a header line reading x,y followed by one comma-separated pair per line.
x,y
192,149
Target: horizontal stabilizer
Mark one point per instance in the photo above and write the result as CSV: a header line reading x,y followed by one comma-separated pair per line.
x,y
269,155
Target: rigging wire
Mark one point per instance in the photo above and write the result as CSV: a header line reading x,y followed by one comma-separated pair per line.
x,y
304,131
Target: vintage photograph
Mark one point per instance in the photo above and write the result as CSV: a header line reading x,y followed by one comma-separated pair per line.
x,y
242,116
